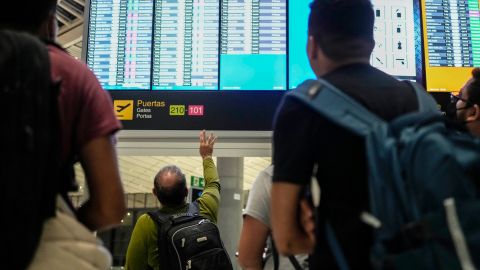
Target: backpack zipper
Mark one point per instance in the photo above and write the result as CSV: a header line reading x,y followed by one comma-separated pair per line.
x,y
173,244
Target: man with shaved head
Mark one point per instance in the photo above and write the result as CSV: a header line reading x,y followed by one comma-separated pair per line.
x,y
170,187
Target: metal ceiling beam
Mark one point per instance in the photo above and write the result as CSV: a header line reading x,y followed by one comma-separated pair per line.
x,y
80,2
71,10
62,19
71,35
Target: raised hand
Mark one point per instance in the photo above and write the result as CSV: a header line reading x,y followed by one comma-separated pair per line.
x,y
206,144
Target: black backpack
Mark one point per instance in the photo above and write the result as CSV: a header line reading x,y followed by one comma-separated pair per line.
x,y
29,158
189,241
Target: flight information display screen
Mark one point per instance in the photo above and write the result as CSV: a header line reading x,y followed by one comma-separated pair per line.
x,y
120,43
452,42
185,48
397,34
189,45
222,64
253,45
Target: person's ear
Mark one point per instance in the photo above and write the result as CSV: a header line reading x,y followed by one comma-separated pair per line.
x,y
52,26
185,192
49,28
312,48
473,113
372,46
154,191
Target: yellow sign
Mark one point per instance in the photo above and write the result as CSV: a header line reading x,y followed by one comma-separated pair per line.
x,y
123,109
177,110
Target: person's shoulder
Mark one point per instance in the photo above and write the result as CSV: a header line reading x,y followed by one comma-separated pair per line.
x,y
264,177
60,54
145,221
268,171
292,110
290,104
398,95
378,91
387,80
61,60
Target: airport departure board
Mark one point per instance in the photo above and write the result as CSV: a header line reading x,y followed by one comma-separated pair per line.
x,y
189,45
226,45
222,64
120,43
452,42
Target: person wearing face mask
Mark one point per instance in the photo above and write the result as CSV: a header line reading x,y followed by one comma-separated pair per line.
x,y
465,107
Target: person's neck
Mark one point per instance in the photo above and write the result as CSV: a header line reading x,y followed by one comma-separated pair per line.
x,y
331,65
173,207
45,36
474,128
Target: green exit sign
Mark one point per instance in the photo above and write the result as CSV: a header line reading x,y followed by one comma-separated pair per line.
x,y
197,181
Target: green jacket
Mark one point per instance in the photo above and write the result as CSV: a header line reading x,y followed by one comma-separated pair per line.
x,y
142,250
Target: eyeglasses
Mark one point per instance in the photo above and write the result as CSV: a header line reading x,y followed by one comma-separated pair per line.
x,y
456,98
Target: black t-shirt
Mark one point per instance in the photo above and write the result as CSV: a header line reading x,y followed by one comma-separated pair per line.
x,y
302,138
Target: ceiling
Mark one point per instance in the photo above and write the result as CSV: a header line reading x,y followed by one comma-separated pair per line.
x,y
137,172
70,20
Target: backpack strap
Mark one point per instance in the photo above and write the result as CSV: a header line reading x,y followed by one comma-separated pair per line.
x,y
426,103
335,248
276,263
163,224
193,208
159,217
276,258
294,262
336,106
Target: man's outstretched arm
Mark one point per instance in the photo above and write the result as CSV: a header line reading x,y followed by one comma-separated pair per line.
x,y
210,199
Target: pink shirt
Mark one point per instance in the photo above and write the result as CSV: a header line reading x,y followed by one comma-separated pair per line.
x,y
86,110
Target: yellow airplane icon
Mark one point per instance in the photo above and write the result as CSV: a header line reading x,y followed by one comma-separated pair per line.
x,y
123,109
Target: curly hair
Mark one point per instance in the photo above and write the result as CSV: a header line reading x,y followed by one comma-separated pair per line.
x,y
473,89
